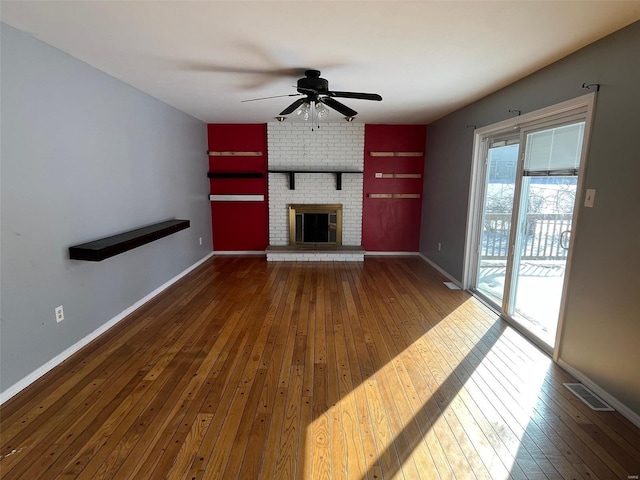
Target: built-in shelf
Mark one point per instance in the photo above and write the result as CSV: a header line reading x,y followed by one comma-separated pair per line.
x,y
103,248
394,195
292,175
234,154
236,198
398,175
396,154
235,174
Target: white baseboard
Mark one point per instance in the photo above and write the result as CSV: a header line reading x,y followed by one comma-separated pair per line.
x,y
240,252
58,359
625,411
439,269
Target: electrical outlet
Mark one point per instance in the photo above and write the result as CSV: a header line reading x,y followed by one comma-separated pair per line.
x,y
59,314
590,197
439,246
200,240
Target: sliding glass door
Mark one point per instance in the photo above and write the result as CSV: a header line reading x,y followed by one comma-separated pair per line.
x,y
528,197
497,211
549,183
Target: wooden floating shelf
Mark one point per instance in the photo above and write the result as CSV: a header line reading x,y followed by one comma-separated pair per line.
x,y
103,248
236,198
394,195
396,154
235,174
292,175
398,175
234,154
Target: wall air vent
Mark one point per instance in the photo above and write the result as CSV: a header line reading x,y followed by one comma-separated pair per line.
x,y
589,398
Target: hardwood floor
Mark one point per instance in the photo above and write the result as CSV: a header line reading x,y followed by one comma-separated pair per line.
x,y
373,370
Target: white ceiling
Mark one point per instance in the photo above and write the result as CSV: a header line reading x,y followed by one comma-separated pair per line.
x,y
426,58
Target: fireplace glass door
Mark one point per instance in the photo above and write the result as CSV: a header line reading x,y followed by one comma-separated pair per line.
x,y
315,224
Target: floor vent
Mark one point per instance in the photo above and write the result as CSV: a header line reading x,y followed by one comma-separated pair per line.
x,y
451,285
589,398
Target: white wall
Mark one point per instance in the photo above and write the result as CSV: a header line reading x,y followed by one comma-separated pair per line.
x,y
333,145
85,156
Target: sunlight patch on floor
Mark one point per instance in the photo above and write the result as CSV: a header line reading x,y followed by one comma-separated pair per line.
x,y
449,394
505,394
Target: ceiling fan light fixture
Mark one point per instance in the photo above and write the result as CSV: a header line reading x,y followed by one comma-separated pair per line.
x,y
349,119
304,111
321,111
280,118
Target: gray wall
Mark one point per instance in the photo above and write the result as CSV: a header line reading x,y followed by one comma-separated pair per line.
x,y
85,156
602,328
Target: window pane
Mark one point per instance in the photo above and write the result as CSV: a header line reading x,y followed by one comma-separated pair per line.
x,y
496,220
554,149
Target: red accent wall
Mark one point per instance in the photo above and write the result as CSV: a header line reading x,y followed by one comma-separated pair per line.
x,y
392,224
239,226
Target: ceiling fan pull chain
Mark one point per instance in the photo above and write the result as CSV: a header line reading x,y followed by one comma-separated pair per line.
x,y
314,115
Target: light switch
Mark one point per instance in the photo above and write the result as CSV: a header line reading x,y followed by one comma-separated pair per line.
x,y
590,197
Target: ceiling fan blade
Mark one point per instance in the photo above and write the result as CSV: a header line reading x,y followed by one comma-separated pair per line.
x,y
275,96
222,68
340,107
293,106
358,95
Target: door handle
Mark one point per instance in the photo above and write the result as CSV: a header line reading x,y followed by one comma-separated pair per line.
x,y
563,236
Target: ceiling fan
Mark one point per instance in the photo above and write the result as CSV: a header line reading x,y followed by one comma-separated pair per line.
x,y
316,94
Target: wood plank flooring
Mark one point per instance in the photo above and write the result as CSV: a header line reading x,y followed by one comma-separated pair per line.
x,y
254,370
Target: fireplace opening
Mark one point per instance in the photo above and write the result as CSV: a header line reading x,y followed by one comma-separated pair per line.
x,y
315,224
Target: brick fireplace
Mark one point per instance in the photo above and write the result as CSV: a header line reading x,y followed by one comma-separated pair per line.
x,y
256,171
325,151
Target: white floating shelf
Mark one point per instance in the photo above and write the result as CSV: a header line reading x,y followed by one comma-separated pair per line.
x,y
236,198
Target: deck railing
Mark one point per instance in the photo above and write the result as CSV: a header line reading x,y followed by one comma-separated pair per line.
x,y
543,236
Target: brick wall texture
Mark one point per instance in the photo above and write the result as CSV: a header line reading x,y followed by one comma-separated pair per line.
x,y
331,146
